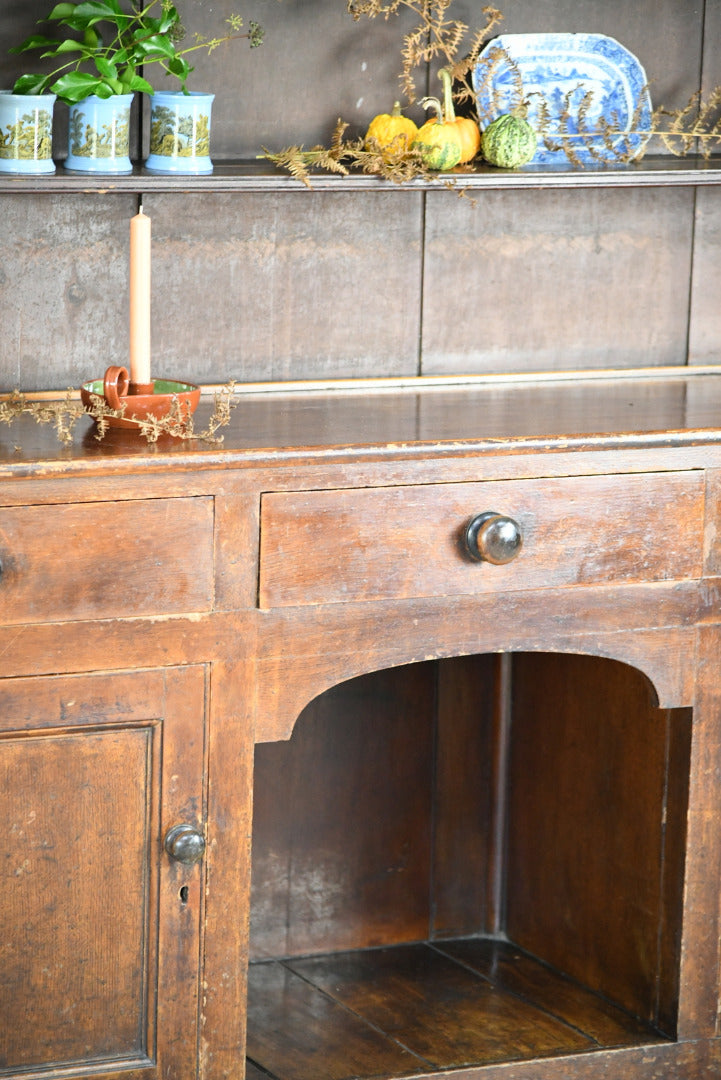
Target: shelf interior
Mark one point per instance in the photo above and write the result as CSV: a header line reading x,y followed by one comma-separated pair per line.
x,y
422,1008
467,861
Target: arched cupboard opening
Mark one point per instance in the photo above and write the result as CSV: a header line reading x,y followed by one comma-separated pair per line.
x,y
467,861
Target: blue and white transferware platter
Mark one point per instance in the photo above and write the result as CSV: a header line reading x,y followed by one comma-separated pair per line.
x,y
569,72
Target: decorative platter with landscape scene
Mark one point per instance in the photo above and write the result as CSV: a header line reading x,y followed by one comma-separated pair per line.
x,y
586,94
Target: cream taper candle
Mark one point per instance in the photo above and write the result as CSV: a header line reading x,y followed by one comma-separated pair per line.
x,y
140,298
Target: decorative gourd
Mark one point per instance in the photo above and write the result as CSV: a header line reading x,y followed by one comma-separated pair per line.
x,y
390,134
509,141
468,130
446,140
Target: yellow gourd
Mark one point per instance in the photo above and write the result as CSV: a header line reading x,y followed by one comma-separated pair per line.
x,y
390,134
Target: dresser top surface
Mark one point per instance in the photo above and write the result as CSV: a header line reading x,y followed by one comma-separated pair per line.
x,y
381,418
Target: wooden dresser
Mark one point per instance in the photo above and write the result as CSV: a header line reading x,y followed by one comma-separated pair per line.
x,y
484,761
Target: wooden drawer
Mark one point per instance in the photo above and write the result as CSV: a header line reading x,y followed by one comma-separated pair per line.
x,y
105,560
320,547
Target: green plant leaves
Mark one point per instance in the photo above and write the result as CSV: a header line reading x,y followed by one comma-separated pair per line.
x,y
67,46
31,84
170,19
61,11
137,39
106,68
137,82
35,41
155,46
75,86
180,68
91,11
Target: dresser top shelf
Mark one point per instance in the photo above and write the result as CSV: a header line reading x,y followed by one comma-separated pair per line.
x,y
262,176
417,417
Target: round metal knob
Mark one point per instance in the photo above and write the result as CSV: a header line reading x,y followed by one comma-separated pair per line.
x,y
185,844
493,538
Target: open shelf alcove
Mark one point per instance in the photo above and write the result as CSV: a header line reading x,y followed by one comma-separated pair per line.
x,y
467,861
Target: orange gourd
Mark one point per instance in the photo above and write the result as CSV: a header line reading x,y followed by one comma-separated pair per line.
x,y
446,140
468,131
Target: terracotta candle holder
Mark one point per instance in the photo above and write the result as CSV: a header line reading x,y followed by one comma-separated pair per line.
x,y
139,400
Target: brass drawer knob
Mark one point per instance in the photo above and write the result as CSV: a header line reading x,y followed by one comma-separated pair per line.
x,y
492,537
185,844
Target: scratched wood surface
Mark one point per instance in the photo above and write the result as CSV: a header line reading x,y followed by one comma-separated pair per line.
x,y
330,547
113,565
417,1010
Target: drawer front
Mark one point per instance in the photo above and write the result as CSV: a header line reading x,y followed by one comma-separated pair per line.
x,y
105,560
320,547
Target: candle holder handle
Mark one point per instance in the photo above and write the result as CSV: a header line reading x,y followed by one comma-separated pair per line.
x,y
116,384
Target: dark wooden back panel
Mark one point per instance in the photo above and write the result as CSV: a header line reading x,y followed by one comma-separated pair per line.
x,y
342,820
594,776
377,822
553,280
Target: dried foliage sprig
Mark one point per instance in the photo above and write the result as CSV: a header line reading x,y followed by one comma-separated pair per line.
x,y
65,413
342,156
299,161
696,126
62,414
436,37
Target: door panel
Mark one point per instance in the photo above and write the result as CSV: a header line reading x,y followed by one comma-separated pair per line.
x,y
95,915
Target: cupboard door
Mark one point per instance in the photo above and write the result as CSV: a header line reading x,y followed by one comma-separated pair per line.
x,y
100,929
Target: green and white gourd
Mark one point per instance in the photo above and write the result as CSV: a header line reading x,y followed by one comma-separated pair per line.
x,y
509,142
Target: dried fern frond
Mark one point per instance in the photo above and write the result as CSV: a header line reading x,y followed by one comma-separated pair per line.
x,y
461,70
413,52
398,167
439,38
543,116
373,8
436,37
583,109
698,123
487,90
299,161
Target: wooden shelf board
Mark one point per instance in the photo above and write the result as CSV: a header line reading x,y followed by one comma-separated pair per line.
x,y
253,175
420,1009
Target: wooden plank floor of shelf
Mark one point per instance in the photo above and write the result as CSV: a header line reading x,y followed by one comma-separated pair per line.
x,y
421,1008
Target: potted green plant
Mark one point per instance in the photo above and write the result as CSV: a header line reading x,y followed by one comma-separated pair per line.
x,y
104,64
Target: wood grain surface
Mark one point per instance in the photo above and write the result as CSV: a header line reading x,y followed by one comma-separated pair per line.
x,y
357,545
94,928
72,562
